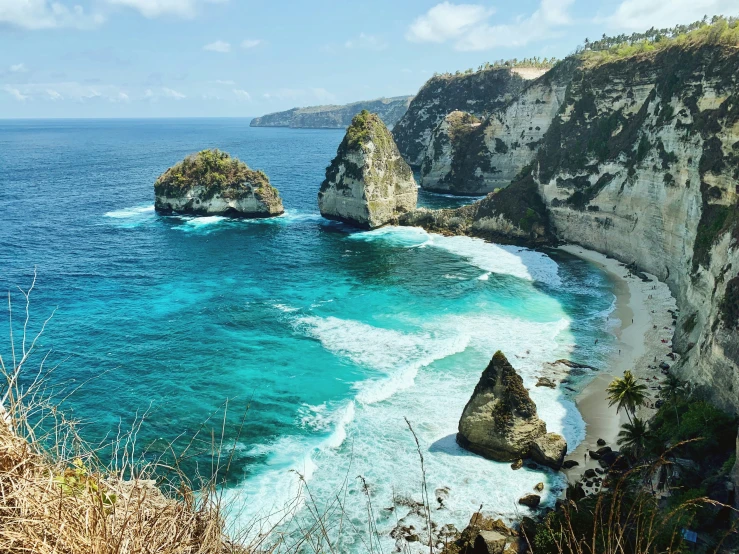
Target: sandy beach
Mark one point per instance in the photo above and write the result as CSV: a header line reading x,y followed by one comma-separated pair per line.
x,y
644,340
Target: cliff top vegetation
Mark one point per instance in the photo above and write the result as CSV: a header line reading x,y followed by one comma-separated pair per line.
x,y
211,169
719,30
535,62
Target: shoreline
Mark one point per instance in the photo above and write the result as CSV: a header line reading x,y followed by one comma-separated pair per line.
x,y
642,307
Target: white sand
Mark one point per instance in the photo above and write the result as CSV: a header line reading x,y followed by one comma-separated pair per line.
x,y
642,309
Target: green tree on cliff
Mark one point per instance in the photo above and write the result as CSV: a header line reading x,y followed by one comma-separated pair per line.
x,y
627,393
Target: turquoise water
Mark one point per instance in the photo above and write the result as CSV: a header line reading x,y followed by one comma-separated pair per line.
x,y
328,336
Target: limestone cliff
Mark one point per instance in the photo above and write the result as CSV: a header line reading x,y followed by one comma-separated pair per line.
x,y
367,184
213,183
490,155
449,144
500,420
478,93
640,161
390,110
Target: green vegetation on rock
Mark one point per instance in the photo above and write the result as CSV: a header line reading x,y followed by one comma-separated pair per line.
x,y
720,30
217,172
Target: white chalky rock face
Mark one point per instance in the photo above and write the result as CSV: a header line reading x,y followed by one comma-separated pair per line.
x,y
212,183
479,93
368,184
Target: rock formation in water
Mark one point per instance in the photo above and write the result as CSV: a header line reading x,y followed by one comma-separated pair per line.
x,y
500,420
478,93
390,110
213,183
637,158
368,184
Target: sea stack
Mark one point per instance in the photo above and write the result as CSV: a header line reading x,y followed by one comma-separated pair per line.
x,y
500,420
368,184
213,183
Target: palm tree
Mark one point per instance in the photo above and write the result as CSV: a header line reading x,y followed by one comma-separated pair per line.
x,y
672,390
634,438
626,393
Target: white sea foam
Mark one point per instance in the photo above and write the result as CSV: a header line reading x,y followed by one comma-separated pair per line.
x,y
136,211
506,260
397,354
485,276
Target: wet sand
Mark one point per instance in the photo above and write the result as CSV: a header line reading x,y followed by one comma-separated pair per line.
x,y
642,308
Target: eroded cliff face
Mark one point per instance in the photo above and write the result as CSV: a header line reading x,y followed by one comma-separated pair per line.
x,y
507,141
368,184
448,143
478,93
640,161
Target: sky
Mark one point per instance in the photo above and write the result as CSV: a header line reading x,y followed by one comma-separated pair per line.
x,y
241,58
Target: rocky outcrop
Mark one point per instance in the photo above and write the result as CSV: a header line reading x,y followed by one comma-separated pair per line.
x,y
213,183
368,184
515,214
500,420
530,500
478,93
390,110
485,535
448,143
549,450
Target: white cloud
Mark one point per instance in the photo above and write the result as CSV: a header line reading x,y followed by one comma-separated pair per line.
x,y
171,93
218,46
64,90
469,27
121,97
45,14
18,68
156,8
366,42
251,43
638,15
447,21
15,93
241,94
224,82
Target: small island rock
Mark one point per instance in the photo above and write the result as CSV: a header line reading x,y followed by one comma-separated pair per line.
x,y
213,183
530,500
368,184
500,420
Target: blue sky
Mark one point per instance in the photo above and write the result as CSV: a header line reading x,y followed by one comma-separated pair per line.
x,y
173,58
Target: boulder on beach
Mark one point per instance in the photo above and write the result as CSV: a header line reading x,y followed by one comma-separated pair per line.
x,y
549,450
211,182
500,420
569,464
368,184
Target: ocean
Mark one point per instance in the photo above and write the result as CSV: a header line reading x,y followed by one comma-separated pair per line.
x,y
299,344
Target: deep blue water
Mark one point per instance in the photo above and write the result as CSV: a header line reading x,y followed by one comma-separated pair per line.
x,y
328,336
